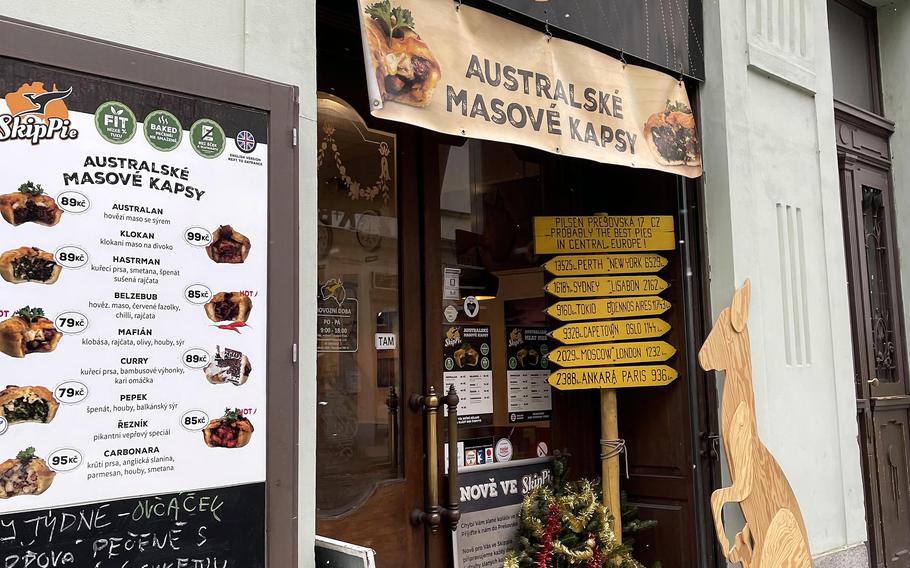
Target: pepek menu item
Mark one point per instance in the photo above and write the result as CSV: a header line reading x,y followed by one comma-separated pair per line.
x,y
228,246
26,474
28,331
30,205
29,264
27,404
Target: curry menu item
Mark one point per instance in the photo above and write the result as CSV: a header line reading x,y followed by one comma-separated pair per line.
x,y
28,331
27,404
228,366
228,246
233,430
26,474
29,264
229,306
30,205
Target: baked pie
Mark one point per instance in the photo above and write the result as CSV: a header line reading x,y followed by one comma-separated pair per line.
x,y
229,366
228,246
232,430
671,136
29,264
30,205
229,306
27,404
28,331
26,474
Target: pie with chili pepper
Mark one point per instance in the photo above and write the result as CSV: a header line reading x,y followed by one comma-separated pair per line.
x,y
228,246
26,474
29,264
232,430
30,205
27,404
28,331
229,306
671,136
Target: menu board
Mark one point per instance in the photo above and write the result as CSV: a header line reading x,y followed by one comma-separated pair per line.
x,y
133,322
466,364
527,371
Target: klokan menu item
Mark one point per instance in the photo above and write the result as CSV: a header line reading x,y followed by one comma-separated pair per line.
x,y
128,334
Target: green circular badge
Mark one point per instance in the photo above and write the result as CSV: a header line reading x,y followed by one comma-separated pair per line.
x,y
484,363
115,122
450,364
484,349
207,138
163,130
513,362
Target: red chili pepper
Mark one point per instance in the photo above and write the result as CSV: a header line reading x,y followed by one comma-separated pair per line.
x,y
233,326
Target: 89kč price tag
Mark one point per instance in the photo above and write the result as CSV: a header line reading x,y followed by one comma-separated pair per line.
x,y
71,257
196,358
194,420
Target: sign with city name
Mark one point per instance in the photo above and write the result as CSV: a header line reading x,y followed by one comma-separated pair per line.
x,y
610,330
611,353
603,234
606,286
606,308
594,264
613,377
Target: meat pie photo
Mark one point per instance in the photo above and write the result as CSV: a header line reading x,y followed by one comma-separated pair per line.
x,y
229,306
229,366
28,331
27,404
228,246
26,474
30,205
29,264
232,430
406,70
671,136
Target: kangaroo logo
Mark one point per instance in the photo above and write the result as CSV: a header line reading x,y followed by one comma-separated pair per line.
x,y
37,114
774,534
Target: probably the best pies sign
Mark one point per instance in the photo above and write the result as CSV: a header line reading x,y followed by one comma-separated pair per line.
x,y
463,71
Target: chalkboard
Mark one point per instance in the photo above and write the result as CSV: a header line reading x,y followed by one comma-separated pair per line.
x,y
217,528
332,553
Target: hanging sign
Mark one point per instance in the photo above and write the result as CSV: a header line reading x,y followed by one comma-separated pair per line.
x,y
603,286
603,308
469,73
603,233
613,377
612,353
610,330
593,264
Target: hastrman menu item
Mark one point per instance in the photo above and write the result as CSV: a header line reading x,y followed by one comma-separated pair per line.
x,y
26,474
29,264
28,331
30,204
27,404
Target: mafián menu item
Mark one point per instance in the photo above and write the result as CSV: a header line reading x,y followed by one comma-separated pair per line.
x,y
29,264
26,474
467,355
406,69
30,205
228,246
671,136
27,404
229,306
28,331
232,430
229,366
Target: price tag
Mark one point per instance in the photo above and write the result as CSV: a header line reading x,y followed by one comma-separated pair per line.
x,y
197,294
73,202
197,236
71,323
4,425
196,358
64,460
71,392
71,257
194,420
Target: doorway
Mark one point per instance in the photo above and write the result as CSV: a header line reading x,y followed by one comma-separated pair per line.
x,y
412,225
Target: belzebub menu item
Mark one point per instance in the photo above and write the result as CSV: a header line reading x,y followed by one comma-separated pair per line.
x,y
132,319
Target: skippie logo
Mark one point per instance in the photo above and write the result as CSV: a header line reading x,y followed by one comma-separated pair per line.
x,y
36,114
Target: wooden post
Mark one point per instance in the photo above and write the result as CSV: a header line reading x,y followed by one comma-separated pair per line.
x,y
609,430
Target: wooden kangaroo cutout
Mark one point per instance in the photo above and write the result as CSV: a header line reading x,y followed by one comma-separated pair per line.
x,y
774,534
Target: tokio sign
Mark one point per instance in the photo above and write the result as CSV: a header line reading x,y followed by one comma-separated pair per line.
x,y
603,233
463,71
611,353
613,377
606,286
610,330
593,264
602,308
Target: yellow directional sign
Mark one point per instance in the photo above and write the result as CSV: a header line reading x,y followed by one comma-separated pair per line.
x,y
603,286
611,353
610,330
613,377
591,264
603,233
603,308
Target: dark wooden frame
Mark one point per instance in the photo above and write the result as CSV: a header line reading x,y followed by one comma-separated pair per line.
x,y
56,48
869,15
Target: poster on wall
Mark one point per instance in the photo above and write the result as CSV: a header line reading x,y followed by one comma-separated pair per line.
x,y
527,370
336,317
466,364
132,324
463,71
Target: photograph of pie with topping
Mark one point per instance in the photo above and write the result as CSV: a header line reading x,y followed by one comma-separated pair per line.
x,y
406,70
29,264
26,474
228,246
229,306
230,366
671,136
27,404
28,331
232,430
30,205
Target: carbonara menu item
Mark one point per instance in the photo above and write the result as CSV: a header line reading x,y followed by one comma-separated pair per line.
x,y
26,474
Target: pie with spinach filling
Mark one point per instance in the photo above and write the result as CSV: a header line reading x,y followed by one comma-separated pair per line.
x,y
27,404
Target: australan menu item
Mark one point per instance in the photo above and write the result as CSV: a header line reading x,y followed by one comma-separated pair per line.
x,y
29,204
